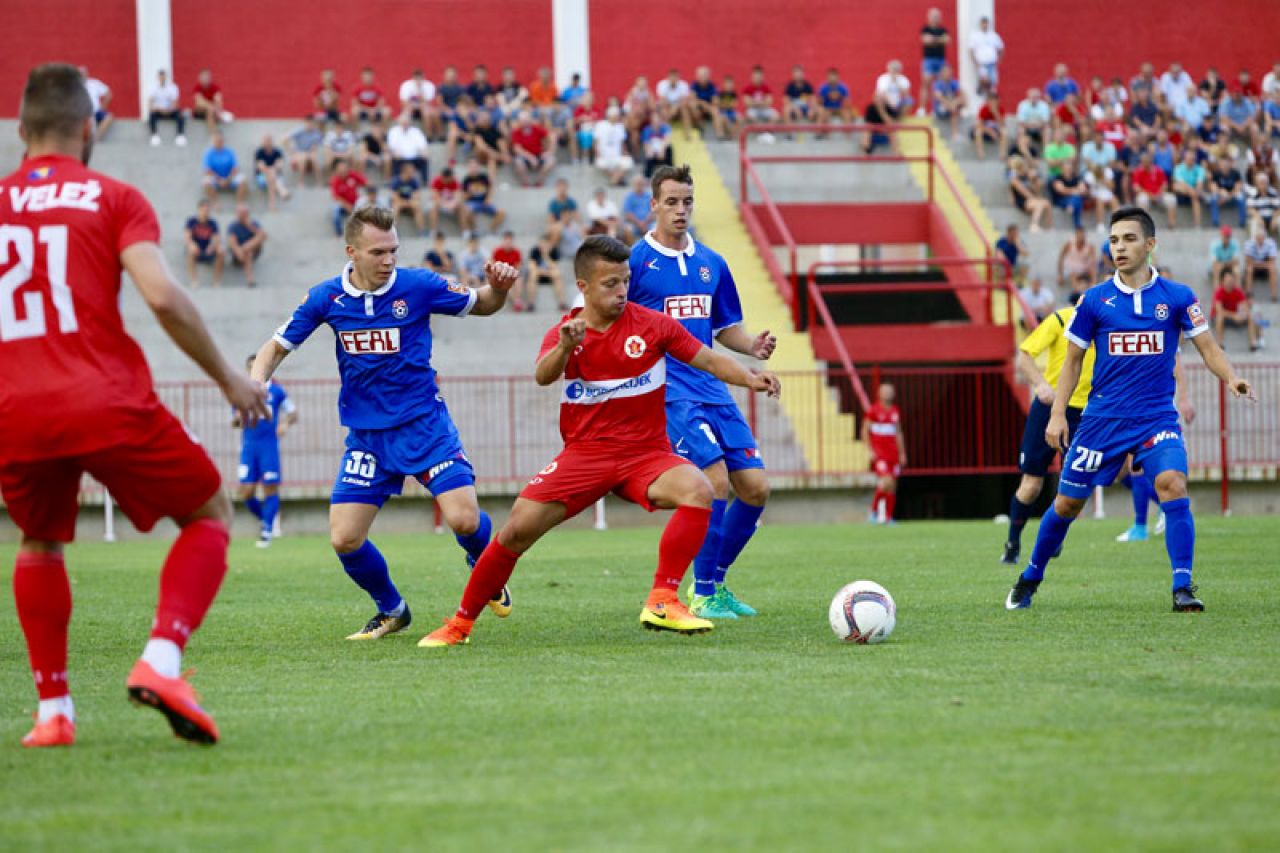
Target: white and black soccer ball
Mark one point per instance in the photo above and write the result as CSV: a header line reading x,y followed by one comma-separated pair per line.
x,y
863,612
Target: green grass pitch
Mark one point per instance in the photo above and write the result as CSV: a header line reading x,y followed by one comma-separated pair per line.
x,y
1096,720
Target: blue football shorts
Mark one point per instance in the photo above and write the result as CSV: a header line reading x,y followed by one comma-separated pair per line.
x,y
260,462
376,461
1100,446
708,433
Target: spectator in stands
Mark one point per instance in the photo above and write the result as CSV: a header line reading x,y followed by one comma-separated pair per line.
x,y
1151,188
344,187
1238,116
1058,152
1189,183
340,144
543,268
582,141
1069,191
100,94
1144,115
446,198
703,103
603,216
1193,109
221,171
1270,116
728,111
208,102
989,126
1145,81
892,93
1071,115
1164,153
326,100
1262,202
934,39
1213,88
268,171
546,103
480,86
203,244
450,93
563,224
1246,85
245,237
1176,85
833,99
507,253
533,150
471,262
511,97
476,191
637,210
1014,250
636,106
655,140
610,137
306,147
489,145
368,103
1260,257
757,100
1101,181
799,98
1039,299
675,101
162,104
371,196
406,196
1028,195
417,97
1271,81
1232,305
1033,120
407,144
1096,150
986,49
371,153
1262,158
1078,256
1224,254
439,259
1225,186
948,100
1060,85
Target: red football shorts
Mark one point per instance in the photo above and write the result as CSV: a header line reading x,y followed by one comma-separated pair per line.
x,y
578,478
886,467
162,473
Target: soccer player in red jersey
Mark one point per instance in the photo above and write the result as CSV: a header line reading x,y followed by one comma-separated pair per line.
x,y
611,354
76,396
882,431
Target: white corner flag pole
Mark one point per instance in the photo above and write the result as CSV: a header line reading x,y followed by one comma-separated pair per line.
x,y
601,522
108,517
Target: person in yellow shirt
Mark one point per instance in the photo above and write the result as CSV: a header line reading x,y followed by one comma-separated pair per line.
x,y
1036,455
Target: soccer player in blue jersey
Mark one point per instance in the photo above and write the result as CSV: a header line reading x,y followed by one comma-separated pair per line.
x,y
260,458
672,273
1134,321
397,422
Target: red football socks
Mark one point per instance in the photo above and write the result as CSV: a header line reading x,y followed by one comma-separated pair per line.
x,y
491,573
890,500
680,543
43,596
189,581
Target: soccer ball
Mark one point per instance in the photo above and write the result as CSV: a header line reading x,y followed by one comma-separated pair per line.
x,y
863,612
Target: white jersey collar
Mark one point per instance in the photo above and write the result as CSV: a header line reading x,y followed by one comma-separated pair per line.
x,y
680,255
1126,289
355,291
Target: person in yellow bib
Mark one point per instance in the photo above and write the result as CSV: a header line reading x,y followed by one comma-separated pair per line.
x,y
1036,455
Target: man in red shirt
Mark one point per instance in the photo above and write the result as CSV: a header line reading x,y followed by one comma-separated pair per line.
x,y
757,98
882,432
533,149
76,396
326,100
1151,186
368,103
345,187
1232,305
446,197
507,252
207,101
611,354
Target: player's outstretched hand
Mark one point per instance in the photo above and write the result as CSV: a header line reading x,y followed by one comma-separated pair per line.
x,y
1241,388
764,345
765,381
248,397
572,332
501,276
1056,433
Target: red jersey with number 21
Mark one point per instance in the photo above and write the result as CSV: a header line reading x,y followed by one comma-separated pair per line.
x,y
616,380
883,431
72,381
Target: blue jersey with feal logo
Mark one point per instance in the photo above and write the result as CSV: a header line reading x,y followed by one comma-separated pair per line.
x,y
264,432
382,341
695,287
1136,334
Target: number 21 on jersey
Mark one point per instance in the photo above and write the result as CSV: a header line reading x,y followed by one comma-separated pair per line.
x,y
17,247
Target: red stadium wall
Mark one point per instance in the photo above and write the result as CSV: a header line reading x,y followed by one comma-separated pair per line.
x,y
629,38
101,34
267,54
1229,35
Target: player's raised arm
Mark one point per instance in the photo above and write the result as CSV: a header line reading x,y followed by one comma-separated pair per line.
x,y
268,359
181,320
551,365
738,339
1218,363
500,278
727,370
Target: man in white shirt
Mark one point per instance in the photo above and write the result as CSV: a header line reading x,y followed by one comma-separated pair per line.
x,y
417,101
893,91
1176,85
407,144
610,140
1039,299
675,101
602,214
986,49
162,103
1271,81
100,94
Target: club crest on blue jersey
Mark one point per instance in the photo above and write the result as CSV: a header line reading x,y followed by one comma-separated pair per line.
x,y
1162,311
705,274
400,308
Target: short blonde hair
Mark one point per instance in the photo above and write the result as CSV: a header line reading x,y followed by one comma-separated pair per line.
x,y
379,217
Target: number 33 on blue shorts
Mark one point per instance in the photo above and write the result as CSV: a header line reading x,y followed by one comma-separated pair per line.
x,y
1100,446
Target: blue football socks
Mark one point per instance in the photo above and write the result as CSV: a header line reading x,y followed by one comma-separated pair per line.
x,y
367,567
1018,515
705,563
270,509
475,544
1053,530
1179,539
738,528
254,506
1143,494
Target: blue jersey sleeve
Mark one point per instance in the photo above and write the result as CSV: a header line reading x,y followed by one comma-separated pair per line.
x,y
306,318
726,310
448,297
1191,319
1084,324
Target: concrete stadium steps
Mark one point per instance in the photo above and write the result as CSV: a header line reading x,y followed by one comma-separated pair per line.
x,y
826,435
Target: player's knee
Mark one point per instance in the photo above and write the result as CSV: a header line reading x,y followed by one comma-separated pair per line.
x,y
1067,507
1029,488
464,522
698,493
754,491
1170,486
345,541
217,508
